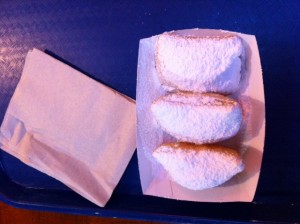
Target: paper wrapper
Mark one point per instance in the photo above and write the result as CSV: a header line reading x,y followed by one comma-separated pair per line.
x,y
249,141
70,127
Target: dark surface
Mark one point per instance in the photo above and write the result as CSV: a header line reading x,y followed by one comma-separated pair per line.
x,y
11,215
100,38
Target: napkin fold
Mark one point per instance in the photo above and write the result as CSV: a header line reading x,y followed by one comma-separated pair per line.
x,y
70,127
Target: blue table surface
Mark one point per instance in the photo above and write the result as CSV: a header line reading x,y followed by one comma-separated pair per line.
x,y
101,38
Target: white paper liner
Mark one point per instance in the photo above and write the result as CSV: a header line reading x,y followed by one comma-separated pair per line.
x,y
249,141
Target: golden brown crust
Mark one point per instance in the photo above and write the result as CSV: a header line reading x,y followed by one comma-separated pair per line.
x,y
204,147
192,37
222,100
158,66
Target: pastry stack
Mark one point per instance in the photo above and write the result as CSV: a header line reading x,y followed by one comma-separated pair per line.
x,y
198,74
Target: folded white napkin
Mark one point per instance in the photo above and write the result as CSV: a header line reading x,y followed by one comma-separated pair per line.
x,y
70,127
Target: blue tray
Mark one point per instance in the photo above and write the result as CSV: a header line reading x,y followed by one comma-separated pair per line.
x,y
101,40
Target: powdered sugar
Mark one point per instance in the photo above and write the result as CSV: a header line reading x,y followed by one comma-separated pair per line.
x,y
199,64
153,134
198,169
198,118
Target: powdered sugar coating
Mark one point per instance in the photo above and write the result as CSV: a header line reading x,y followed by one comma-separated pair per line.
x,y
200,166
198,118
199,64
